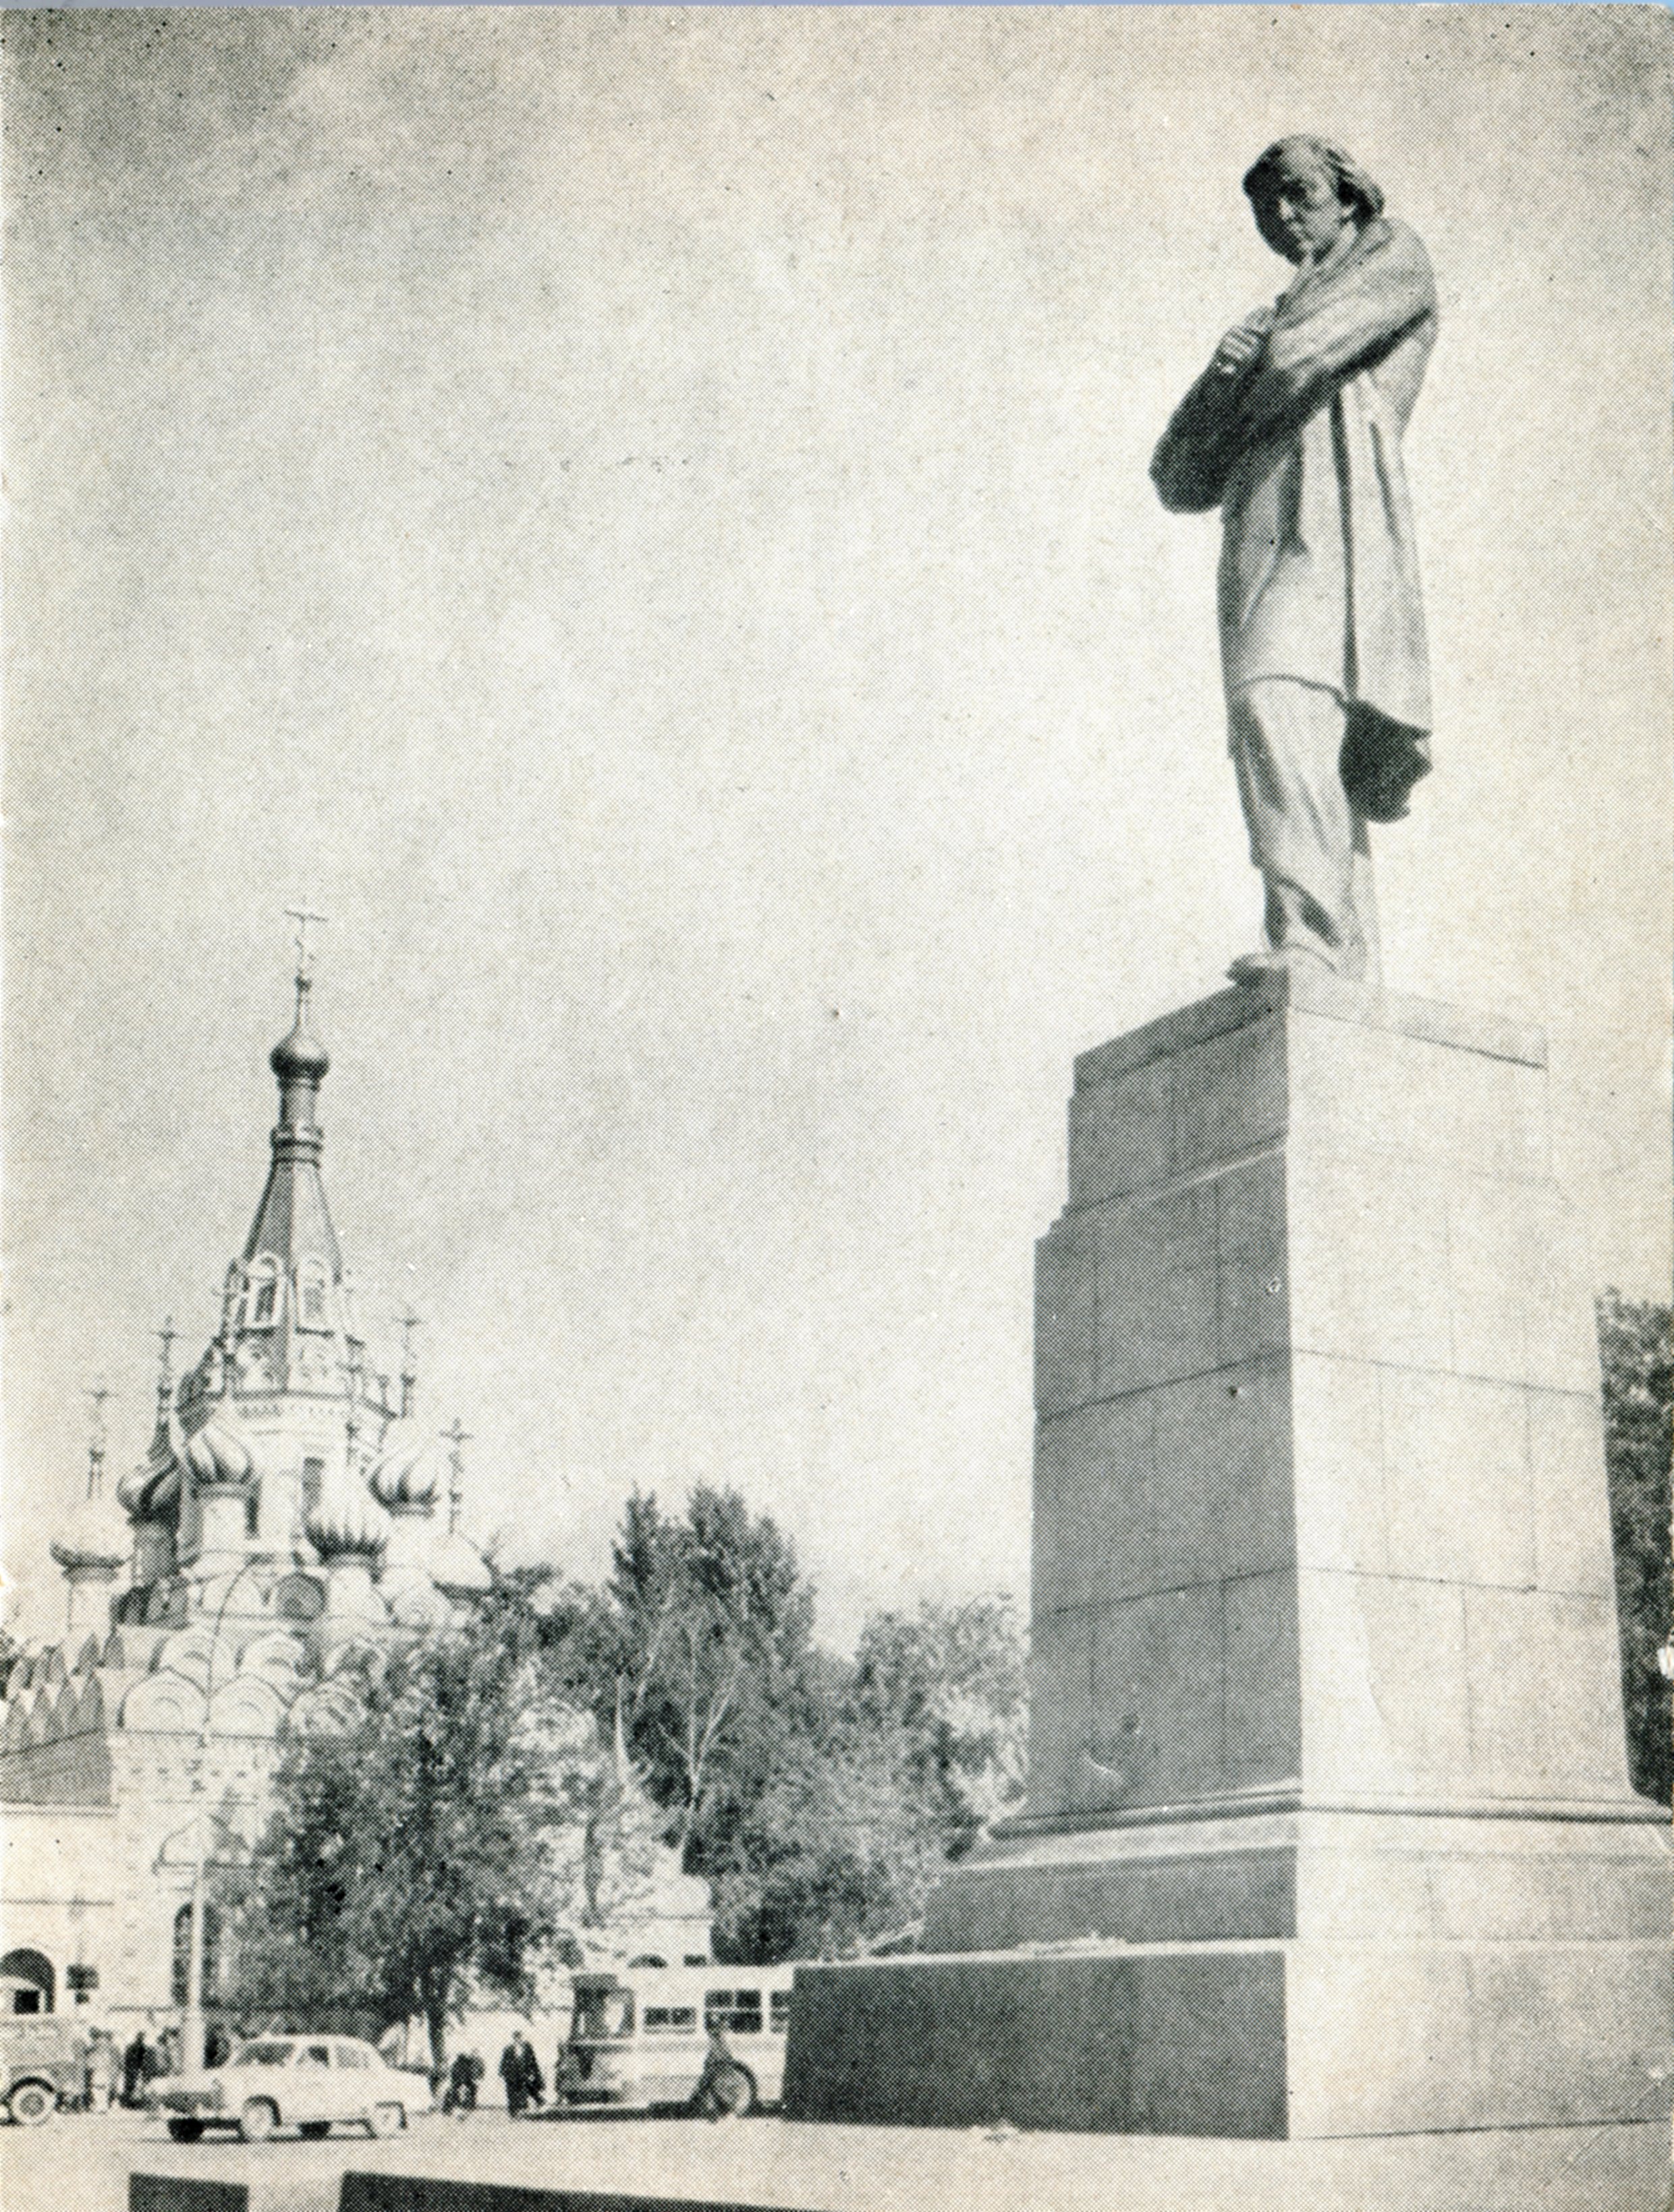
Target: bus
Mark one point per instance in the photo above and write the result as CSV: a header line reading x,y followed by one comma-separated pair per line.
x,y
639,2036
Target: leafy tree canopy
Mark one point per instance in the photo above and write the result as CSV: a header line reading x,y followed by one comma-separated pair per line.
x,y
439,1831
818,1796
711,1659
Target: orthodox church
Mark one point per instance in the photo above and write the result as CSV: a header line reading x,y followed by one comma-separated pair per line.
x,y
289,1510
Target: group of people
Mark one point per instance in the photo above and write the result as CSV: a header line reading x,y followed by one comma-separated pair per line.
x,y
526,2084
144,2059
100,2067
114,2074
125,2076
520,2070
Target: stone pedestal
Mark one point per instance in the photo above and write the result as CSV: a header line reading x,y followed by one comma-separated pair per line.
x,y
1328,1828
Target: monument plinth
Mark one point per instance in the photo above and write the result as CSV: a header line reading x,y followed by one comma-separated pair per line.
x,y
1328,1828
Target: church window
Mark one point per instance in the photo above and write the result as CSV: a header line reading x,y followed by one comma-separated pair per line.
x,y
311,1294
261,1302
313,1478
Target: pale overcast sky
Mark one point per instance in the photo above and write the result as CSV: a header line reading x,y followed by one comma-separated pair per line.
x,y
642,516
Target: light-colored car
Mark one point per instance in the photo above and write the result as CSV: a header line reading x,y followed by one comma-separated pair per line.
x,y
310,2082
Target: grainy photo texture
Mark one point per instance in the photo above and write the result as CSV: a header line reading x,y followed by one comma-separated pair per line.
x,y
711,616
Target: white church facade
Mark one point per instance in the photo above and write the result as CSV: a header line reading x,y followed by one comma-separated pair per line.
x,y
290,1508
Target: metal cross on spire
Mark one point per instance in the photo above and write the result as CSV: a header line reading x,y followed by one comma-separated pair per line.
x,y
409,1321
457,1439
302,915
166,1336
99,1394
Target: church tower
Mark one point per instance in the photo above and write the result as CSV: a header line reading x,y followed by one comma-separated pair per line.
x,y
281,1412
292,1517
283,1436
282,1521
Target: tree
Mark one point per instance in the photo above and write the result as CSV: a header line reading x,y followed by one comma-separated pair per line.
x,y
438,1829
838,1852
954,1680
903,1758
819,1797
709,1658
1635,1354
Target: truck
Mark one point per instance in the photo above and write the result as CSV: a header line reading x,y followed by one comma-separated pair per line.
x,y
41,2062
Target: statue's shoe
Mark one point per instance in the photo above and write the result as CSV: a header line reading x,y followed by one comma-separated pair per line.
x,y
1253,968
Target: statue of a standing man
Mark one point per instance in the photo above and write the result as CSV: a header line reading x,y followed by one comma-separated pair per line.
x,y
1295,432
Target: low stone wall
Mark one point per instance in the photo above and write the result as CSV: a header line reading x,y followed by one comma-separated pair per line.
x,y
405,2192
1154,2044
172,2192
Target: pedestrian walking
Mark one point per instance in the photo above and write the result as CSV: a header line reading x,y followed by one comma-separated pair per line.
x,y
102,2070
519,2070
136,2059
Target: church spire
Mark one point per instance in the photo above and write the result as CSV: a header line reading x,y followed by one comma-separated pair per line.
x,y
291,1239
456,1439
166,1336
92,1546
281,1411
408,1322
287,1324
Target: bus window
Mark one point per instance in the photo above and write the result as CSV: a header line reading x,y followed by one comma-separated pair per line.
x,y
779,2012
671,2019
735,2012
602,2014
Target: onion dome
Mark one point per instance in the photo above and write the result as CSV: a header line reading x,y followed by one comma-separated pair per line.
x,y
96,1534
218,1456
457,1568
300,1057
347,1525
150,1492
406,1478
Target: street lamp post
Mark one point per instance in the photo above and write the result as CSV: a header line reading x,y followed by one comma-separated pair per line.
x,y
192,2012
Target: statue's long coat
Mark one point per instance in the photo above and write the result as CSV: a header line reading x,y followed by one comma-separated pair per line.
x,y
1301,451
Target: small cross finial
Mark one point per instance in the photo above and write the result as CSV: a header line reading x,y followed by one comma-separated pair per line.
x,y
456,1438
99,1394
408,1322
302,915
165,1373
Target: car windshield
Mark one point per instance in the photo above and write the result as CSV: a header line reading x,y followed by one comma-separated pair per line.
x,y
263,2054
602,2013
